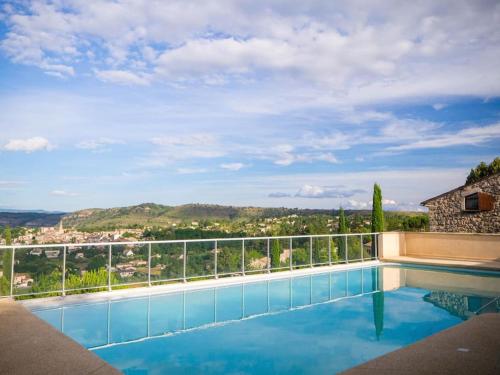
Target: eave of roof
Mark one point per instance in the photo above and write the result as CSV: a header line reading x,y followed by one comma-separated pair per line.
x,y
423,203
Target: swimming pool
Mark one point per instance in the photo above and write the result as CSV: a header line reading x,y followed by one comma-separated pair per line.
x,y
318,323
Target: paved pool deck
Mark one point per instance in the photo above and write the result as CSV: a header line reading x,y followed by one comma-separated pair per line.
x,y
472,347
30,346
485,265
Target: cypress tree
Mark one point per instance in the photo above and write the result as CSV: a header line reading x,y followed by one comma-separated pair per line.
x,y
8,235
343,228
7,257
377,215
275,254
377,212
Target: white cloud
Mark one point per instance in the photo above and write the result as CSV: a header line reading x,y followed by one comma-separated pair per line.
x,y
182,147
96,144
439,106
468,136
28,145
191,170
122,77
63,193
389,202
199,139
348,53
8,185
279,194
285,156
232,166
357,205
314,191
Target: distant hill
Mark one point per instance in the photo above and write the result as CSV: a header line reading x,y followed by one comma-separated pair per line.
x,y
30,218
151,214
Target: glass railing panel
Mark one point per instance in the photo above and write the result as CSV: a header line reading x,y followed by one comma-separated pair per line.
x,y
280,254
301,252
354,248
229,257
86,268
255,255
167,261
340,248
38,271
200,260
129,264
320,251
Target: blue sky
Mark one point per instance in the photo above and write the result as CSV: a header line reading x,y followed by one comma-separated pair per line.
x,y
297,104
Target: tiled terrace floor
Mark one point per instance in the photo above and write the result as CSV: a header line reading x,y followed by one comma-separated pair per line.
x,y
31,346
472,347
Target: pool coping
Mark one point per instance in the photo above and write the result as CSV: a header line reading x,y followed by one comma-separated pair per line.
x,y
176,287
466,264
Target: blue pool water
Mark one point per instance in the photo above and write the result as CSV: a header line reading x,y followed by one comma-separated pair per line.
x,y
317,324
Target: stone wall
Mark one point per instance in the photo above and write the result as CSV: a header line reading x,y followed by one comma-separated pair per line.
x,y
446,212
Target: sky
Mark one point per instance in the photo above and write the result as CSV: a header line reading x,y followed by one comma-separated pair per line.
x,y
275,103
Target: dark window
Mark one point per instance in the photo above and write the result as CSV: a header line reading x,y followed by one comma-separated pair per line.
x,y
472,202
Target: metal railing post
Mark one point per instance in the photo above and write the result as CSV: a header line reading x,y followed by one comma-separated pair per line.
x,y
291,254
64,272
110,255
243,257
184,256
149,264
215,261
268,255
362,248
375,239
346,250
311,252
12,271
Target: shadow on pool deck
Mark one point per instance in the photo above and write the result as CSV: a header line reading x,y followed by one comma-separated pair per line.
x,y
472,347
28,345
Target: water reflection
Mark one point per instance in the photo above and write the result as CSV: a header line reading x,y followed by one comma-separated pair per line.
x,y
107,323
462,306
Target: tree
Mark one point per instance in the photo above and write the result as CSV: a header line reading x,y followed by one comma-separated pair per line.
x,y
377,215
342,229
483,170
8,235
7,260
377,211
275,254
96,263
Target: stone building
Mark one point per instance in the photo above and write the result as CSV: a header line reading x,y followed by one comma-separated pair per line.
x,y
473,208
